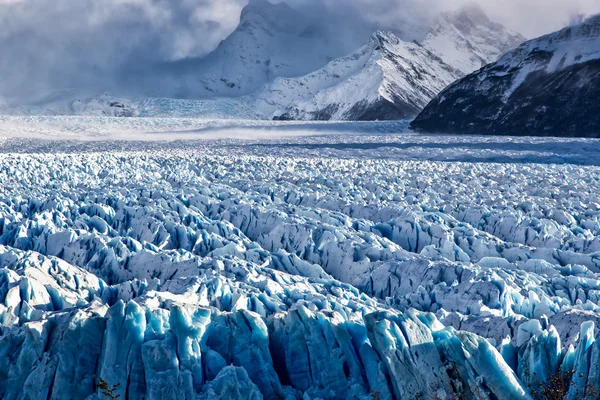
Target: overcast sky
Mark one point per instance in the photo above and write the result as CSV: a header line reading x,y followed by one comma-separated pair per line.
x,y
531,18
54,43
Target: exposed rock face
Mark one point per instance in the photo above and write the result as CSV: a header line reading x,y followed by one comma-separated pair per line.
x,y
547,87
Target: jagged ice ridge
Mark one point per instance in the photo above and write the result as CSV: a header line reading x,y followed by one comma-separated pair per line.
x,y
198,274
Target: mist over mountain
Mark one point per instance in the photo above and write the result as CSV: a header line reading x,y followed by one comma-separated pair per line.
x,y
85,44
280,64
271,40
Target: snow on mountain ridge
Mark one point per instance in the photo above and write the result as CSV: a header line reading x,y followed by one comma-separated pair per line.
x,y
272,40
468,40
264,14
387,78
571,45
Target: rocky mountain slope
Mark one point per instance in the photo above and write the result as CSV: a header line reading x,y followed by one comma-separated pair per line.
x,y
547,86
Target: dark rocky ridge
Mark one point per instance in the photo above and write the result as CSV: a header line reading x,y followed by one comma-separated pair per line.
x,y
379,110
541,89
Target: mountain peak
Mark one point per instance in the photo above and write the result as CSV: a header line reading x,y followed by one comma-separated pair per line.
x,y
381,38
541,88
279,15
271,41
572,45
472,12
259,6
466,19
467,40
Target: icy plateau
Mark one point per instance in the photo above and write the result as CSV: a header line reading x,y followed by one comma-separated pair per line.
x,y
317,261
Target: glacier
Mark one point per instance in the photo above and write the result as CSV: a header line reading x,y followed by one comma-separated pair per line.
x,y
304,261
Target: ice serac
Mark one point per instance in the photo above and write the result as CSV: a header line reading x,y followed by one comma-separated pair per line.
x,y
467,40
232,383
385,79
545,87
409,354
242,339
206,273
162,346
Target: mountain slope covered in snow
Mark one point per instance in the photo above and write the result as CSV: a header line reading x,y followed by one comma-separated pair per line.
x,y
547,86
389,78
386,79
271,40
467,40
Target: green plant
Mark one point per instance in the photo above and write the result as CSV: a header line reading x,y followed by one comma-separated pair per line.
x,y
107,391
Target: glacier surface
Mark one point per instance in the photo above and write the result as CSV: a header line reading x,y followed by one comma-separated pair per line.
x,y
189,259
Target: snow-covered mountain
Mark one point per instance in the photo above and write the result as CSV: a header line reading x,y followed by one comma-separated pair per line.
x,y
276,61
278,64
387,78
272,40
547,86
467,40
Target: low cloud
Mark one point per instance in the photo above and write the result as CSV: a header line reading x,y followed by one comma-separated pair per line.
x,y
85,43
531,18
80,43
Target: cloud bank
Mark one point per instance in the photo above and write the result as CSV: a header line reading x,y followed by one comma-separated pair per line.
x,y
531,18
75,43
81,43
